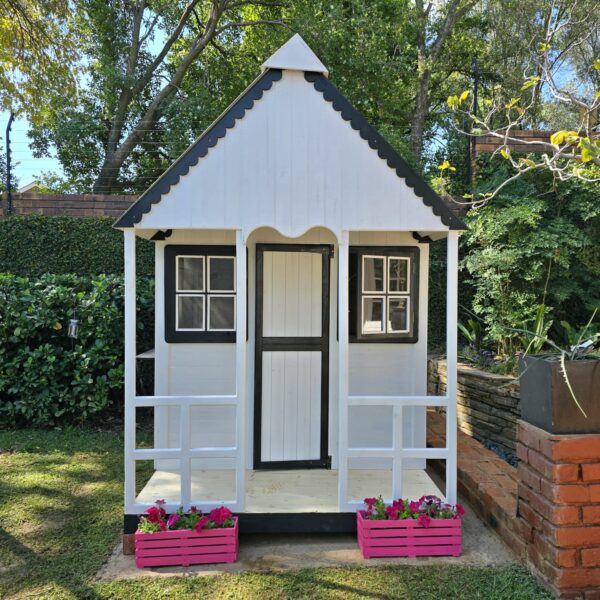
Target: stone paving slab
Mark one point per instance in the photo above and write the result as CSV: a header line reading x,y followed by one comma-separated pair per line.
x,y
481,548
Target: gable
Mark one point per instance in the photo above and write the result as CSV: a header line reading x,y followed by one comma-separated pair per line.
x,y
291,153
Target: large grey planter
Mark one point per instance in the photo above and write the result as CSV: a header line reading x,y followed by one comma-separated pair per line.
x,y
545,398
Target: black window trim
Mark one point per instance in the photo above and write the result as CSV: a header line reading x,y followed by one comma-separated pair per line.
x,y
172,335
412,336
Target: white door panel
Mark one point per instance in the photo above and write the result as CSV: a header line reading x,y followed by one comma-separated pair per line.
x,y
291,406
292,294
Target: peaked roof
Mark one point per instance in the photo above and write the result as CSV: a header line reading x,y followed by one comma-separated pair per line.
x,y
245,102
295,55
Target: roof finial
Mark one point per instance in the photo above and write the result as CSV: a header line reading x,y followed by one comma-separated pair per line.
x,y
295,55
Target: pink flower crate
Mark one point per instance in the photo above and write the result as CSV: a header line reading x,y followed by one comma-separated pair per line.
x,y
184,547
405,537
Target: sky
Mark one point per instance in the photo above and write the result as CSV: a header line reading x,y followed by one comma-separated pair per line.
x,y
25,166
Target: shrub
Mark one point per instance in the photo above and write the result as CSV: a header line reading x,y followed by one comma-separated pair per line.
x,y
32,245
45,376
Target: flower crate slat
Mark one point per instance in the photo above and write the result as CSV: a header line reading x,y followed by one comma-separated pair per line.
x,y
176,561
413,541
184,547
405,537
411,552
184,542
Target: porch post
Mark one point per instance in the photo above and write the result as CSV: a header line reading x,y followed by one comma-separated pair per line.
x,y
130,367
343,270
240,369
451,358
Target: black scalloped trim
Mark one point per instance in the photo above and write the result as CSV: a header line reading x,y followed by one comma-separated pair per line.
x,y
384,150
199,148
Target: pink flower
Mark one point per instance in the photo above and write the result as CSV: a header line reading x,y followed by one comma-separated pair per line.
x,y
392,513
172,520
194,510
160,502
423,520
414,507
460,511
370,502
153,514
161,524
219,515
201,523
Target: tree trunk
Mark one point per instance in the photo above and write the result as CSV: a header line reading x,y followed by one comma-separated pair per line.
x,y
417,128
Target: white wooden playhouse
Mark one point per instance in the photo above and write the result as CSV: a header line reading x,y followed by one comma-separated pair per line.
x,y
291,313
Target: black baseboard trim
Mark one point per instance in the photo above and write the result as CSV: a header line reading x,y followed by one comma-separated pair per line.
x,y
290,523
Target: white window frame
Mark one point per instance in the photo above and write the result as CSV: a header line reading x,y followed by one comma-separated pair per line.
x,y
207,320
200,295
362,283
196,256
383,314
207,285
385,295
387,322
387,270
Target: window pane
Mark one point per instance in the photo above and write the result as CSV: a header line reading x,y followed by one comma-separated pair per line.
x,y
221,313
397,315
372,315
398,269
373,272
222,274
190,273
190,312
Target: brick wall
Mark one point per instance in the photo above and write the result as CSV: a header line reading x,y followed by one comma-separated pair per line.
x,y
488,405
489,143
75,205
559,509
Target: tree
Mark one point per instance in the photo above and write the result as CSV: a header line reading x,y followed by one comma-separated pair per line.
x,y
560,85
136,55
434,25
38,53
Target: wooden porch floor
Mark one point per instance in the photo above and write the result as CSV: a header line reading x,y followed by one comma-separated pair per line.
x,y
294,491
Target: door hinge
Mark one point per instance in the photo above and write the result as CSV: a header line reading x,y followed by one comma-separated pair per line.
x,y
331,252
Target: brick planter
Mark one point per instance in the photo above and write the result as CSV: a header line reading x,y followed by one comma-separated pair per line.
x,y
405,537
559,509
184,547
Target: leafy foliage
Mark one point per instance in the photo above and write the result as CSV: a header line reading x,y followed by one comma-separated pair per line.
x,y
48,378
532,247
32,245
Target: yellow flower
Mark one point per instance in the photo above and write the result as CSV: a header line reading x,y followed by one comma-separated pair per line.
x,y
57,326
446,166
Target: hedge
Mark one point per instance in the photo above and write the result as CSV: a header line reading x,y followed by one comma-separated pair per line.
x,y
46,377
32,245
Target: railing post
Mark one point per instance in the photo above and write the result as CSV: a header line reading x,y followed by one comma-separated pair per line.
x,y
240,369
130,366
343,270
451,360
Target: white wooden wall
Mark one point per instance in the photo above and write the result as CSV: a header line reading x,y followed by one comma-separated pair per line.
x,y
292,163
375,369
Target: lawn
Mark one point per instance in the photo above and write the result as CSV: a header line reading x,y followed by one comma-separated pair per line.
x,y
60,516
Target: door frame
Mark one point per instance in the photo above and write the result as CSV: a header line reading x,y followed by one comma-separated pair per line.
x,y
321,344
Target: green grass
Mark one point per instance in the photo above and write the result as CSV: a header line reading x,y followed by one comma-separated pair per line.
x,y
60,516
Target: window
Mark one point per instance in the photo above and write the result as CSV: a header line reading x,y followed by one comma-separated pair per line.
x,y
200,302
383,290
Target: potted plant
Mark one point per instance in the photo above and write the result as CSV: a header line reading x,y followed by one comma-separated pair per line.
x,y
185,538
560,392
425,527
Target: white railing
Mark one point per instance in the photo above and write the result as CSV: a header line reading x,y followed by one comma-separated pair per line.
x,y
184,453
397,453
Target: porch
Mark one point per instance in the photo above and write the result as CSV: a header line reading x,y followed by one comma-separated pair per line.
x,y
204,449
286,491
